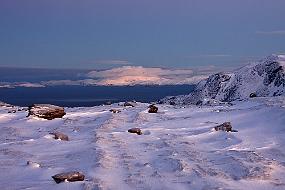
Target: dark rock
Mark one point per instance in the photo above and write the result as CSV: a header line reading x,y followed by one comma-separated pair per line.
x,y
199,103
46,111
152,109
224,127
135,130
115,111
61,136
69,176
130,104
22,109
252,95
12,111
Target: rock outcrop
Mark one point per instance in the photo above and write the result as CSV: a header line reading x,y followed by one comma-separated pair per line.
x,y
227,126
130,104
135,130
115,111
60,136
152,109
46,111
69,176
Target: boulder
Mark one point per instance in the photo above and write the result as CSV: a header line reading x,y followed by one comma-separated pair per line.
x,y
115,111
252,95
152,109
68,176
135,130
61,136
46,111
130,104
224,127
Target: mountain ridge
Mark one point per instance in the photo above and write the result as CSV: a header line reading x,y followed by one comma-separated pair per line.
x,y
262,78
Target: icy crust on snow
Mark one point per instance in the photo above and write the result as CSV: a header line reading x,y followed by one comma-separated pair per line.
x,y
178,149
262,78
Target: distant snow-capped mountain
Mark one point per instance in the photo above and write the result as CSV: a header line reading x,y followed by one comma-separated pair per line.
x,y
263,78
122,76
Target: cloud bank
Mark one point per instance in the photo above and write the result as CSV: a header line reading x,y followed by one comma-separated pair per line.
x,y
138,75
127,75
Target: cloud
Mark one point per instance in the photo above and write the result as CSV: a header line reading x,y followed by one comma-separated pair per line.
x,y
137,71
127,75
274,32
134,75
110,62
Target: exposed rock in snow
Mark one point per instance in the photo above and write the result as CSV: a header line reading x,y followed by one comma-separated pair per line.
x,y
130,104
152,109
12,111
46,111
69,176
135,130
262,78
115,110
227,126
60,136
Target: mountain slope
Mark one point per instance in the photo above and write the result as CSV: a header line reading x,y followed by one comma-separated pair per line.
x,y
262,78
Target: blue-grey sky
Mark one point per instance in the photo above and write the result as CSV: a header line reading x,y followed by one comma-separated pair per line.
x,y
160,33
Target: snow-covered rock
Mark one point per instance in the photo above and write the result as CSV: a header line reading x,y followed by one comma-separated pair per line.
x,y
263,78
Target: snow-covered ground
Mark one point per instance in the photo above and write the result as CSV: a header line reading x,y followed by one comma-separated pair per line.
x,y
178,149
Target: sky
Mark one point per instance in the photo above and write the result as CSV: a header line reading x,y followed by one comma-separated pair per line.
x,y
96,34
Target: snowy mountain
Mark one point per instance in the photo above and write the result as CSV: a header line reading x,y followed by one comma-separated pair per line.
x,y
263,78
137,75
119,76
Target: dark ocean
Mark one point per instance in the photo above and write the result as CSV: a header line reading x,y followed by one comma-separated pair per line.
x,y
86,96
